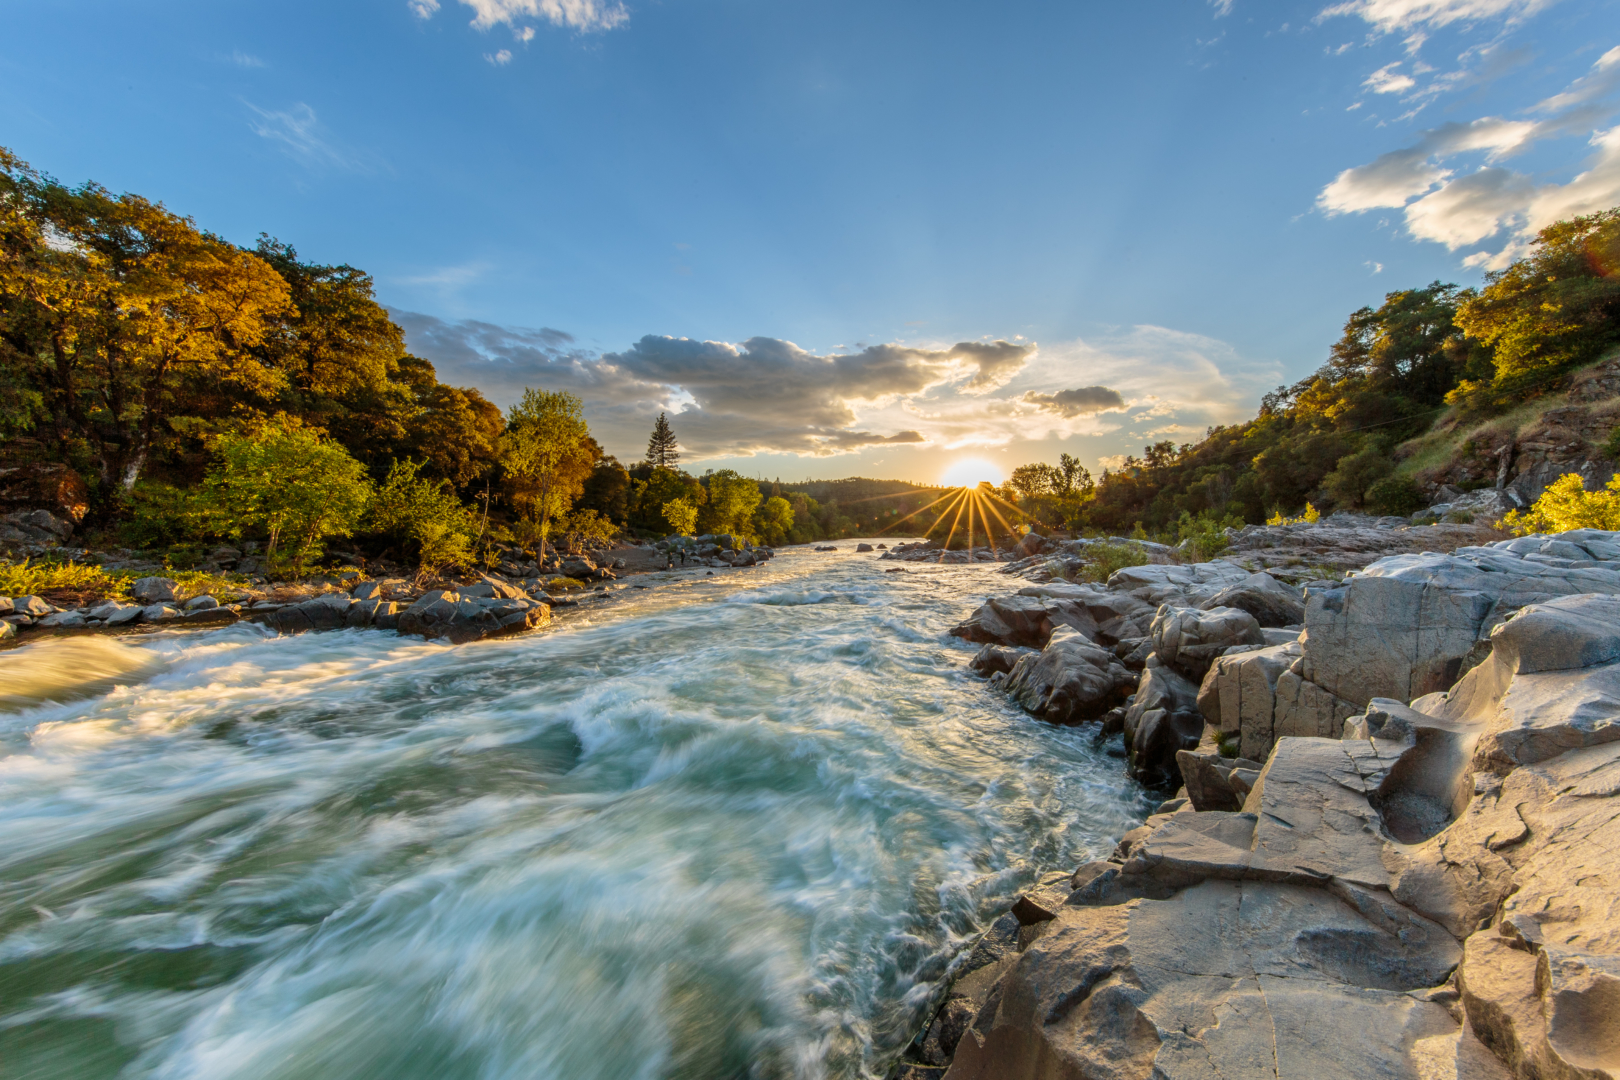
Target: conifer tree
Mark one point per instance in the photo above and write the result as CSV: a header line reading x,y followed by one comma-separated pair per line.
x,y
661,447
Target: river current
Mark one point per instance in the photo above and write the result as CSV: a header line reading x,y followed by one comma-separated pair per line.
x,y
732,826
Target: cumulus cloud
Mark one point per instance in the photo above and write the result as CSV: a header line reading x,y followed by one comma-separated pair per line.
x,y
1459,206
582,15
1390,16
731,399
1084,401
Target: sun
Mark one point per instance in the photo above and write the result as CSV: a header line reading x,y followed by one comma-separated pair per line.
x,y
967,472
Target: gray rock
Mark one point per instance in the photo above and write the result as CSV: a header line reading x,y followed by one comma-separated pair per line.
x,y
1180,586
1189,639
214,616
997,658
458,619
126,615
8,630
63,620
6,607
159,613
1070,680
329,611
154,590
1272,603
366,590
35,607
863,547
1239,695
201,603
1163,719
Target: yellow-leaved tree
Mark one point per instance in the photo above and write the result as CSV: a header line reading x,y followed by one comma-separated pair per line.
x,y
1566,504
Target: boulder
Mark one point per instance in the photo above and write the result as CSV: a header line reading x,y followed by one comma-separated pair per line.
x,y
997,658
35,607
458,619
55,488
374,612
1180,586
159,613
329,611
1024,620
199,603
63,620
1162,720
125,615
34,527
154,590
1189,639
1070,680
1270,601
863,547
1239,695
8,630
214,616
6,606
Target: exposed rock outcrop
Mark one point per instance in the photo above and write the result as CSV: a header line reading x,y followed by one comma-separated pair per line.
x,y
1432,895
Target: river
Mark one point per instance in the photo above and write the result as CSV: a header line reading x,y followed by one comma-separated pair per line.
x,y
733,826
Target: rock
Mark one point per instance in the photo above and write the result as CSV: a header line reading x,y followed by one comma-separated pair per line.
x,y
125,615
329,611
1207,775
1163,719
367,590
33,606
154,590
863,547
6,607
458,619
159,613
214,616
1181,586
1305,709
200,603
578,567
8,630
1024,620
997,658
34,527
1271,602
491,587
63,620
1188,639
1070,680
1239,695
383,614
57,488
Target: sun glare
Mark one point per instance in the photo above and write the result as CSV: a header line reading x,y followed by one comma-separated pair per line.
x,y
969,471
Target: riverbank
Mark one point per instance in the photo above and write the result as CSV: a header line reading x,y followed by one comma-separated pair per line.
x,y
1393,847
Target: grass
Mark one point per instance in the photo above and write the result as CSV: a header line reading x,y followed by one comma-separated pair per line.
x,y
84,583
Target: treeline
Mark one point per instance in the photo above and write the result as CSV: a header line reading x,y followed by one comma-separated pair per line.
x,y
1439,352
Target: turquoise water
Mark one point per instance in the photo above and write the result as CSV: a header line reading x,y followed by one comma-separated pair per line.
x,y
735,826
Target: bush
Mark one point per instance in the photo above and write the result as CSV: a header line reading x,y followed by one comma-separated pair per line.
x,y
163,516
424,512
1206,533
1397,496
1104,558
27,578
1566,504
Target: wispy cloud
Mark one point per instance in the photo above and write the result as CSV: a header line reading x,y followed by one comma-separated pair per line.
x,y
299,134
1445,201
1392,16
1386,80
500,58
1222,8
246,60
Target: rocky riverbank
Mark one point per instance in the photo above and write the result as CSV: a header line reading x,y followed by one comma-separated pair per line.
x,y
457,610
1396,845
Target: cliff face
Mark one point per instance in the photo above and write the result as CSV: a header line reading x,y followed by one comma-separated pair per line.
x,y
1427,886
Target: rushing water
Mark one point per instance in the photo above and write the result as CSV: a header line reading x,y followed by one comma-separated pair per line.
x,y
735,826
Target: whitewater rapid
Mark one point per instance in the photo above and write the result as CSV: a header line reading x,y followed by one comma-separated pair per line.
x,y
734,826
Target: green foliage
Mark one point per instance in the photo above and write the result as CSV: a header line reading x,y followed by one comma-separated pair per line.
x,y
162,515
425,513
662,448
547,452
1566,504
1206,533
1397,496
681,515
730,508
28,577
1611,445
1349,482
584,527
1103,559
773,521
288,481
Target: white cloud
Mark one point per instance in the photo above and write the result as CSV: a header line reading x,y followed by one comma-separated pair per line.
x,y
1389,16
1460,208
1386,80
499,58
581,15
299,134
246,60
1222,7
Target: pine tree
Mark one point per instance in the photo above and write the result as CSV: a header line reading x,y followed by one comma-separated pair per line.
x,y
661,447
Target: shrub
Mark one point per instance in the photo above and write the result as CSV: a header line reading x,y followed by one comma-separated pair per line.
x,y
583,526
1104,558
1394,495
28,577
1566,504
1206,533
288,480
1309,517
426,513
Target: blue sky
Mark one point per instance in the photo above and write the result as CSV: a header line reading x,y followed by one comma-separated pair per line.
x,y
804,229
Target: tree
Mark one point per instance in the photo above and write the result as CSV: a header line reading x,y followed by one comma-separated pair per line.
x,y
287,480
773,520
1549,312
661,448
681,515
415,509
661,484
732,498
545,441
1566,504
